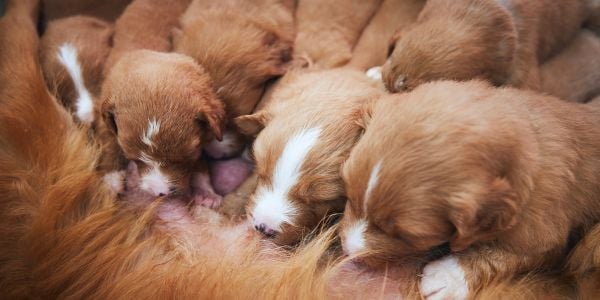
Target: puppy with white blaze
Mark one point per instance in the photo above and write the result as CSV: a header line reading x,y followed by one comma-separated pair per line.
x,y
305,133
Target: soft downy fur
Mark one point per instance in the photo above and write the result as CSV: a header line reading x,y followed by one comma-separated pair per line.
x,y
327,31
145,24
371,50
65,236
500,41
242,45
78,79
478,168
574,73
304,135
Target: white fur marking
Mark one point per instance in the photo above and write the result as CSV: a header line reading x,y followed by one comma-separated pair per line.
x,y
354,241
67,55
375,73
151,131
272,206
373,178
154,181
444,279
115,180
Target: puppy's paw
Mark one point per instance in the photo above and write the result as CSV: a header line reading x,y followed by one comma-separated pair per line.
x,y
115,181
444,279
375,74
208,199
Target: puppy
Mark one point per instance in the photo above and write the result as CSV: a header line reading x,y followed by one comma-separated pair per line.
x,y
304,135
242,45
145,24
72,54
161,109
372,48
328,30
500,41
478,168
574,74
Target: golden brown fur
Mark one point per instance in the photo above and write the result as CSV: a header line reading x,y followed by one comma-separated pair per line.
x,y
327,31
92,38
574,73
64,236
480,168
502,41
145,24
372,48
327,100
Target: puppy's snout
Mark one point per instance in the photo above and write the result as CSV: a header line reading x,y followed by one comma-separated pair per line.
x,y
266,231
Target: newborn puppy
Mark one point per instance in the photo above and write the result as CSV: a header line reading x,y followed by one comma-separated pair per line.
x,y
500,41
574,74
72,54
242,45
328,30
145,24
306,133
161,109
479,168
372,48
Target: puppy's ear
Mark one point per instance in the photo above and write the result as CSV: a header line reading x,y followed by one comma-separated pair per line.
x,y
251,125
213,118
280,53
483,216
108,115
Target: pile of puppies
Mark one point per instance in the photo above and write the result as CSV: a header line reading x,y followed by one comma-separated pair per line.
x,y
434,131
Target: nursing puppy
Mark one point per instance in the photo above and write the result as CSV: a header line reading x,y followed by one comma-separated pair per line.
x,y
305,134
479,168
145,24
161,109
372,48
500,41
242,45
72,54
328,30
574,73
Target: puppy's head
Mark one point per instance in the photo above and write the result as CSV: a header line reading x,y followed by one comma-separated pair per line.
x,y
240,58
427,173
447,43
162,110
302,143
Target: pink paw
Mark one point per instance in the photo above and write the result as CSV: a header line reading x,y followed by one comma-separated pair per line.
x,y
210,200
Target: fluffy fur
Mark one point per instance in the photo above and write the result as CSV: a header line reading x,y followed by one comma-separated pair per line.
x,y
318,110
325,33
480,168
500,41
91,39
372,47
65,236
574,74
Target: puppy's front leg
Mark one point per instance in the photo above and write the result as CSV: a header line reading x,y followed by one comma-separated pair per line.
x,y
461,275
202,189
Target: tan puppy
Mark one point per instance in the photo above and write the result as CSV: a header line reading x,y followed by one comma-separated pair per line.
x,y
108,10
162,110
72,54
574,74
328,30
480,168
145,24
242,45
502,41
372,48
307,132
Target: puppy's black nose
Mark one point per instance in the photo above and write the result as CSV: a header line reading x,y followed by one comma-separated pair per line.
x,y
161,194
262,228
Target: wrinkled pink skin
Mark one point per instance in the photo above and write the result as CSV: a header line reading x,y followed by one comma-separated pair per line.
x,y
213,234
227,175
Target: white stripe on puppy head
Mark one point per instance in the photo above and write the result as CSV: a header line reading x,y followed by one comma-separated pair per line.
x,y
154,181
354,240
373,178
273,208
151,131
67,56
